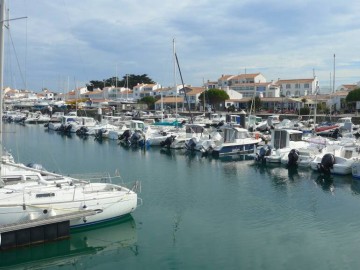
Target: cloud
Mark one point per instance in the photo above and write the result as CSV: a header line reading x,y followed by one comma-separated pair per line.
x,y
89,40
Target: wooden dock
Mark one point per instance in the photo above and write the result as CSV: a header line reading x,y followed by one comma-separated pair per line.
x,y
39,230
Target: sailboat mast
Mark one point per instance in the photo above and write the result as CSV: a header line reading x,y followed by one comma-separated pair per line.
x,y
334,76
2,26
174,60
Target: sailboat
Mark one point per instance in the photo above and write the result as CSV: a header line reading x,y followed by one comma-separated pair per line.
x,y
28,194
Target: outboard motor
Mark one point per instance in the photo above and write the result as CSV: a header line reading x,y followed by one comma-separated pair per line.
x,y
263,152
327,163
99,134
190,145
67,128
168,141
136,139
82,131
336,134
125,136
293,157
220,124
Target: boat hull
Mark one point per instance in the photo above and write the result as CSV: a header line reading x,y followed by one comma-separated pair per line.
x,y
234,149
35,202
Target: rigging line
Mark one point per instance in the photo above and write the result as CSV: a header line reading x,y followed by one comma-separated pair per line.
x,y
17,59
183,87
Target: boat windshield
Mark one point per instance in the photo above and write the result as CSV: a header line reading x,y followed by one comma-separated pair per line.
x,y
296,137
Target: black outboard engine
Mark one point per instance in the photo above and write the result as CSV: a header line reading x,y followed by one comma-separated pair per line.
x,y
327,163
190,145
136,139
293,157
67,128
125,136
263,152
220,124
168,141
82,131
99,134
336,134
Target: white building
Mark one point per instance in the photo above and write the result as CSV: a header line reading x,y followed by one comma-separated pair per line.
x,y
298,87
141,88
249,85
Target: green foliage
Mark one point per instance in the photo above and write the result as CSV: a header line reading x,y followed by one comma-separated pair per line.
x,y
256,105
127,81
149,101
213,96
321,108
353,96
305,111
303,100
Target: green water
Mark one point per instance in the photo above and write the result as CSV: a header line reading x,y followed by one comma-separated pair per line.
x,y
197,212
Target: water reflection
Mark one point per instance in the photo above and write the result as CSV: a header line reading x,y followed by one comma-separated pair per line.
x,y
283,176
326,182
233,158
80,250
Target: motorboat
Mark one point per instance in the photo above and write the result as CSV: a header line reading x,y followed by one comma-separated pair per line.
x,y
236,141
338,158
283,142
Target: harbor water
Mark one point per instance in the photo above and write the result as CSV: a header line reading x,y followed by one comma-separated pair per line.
x,y
197,212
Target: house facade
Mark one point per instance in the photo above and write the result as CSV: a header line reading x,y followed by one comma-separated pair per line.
x,y
249,85
298,87
141,90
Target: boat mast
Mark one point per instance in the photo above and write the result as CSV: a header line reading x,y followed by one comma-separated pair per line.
x,y
2,26
176,106
183,88
204,95
127,87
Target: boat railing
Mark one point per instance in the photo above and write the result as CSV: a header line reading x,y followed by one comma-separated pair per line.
x,y
94,177
106,178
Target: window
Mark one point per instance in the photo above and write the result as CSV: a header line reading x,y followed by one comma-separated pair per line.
x,y
288,86
44,195
306,85
297,85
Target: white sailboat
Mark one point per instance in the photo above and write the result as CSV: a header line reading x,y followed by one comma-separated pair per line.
x,y
32,194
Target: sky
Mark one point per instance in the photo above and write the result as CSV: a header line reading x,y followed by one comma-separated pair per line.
x,y
63,44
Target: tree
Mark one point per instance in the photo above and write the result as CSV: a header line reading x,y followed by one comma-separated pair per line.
x,y
256,104
352,98
149,101
129,81
214,97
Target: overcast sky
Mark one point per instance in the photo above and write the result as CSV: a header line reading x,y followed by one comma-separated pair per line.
x,y
67,43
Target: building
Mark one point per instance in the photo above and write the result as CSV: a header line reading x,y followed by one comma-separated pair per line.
x,y
337,101
249,85
141,90
298,87
347,87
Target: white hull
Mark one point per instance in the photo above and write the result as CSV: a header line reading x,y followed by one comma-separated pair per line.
x,y
27,195
342,166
